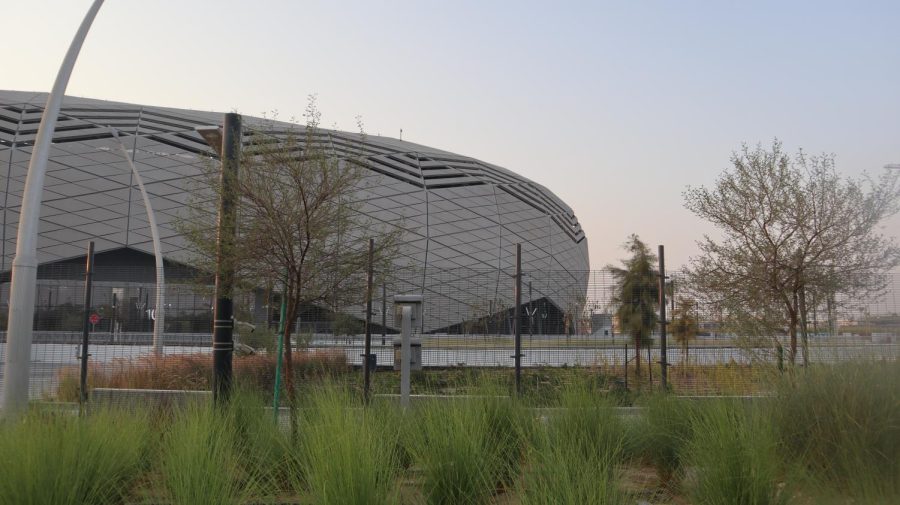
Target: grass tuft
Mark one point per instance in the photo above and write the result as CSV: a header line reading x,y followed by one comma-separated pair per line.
x,y
734,457
64,460
347,454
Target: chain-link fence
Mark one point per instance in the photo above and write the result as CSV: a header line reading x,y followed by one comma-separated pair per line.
x,y
571,329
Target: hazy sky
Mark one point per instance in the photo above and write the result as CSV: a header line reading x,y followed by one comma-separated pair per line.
x,y
614,106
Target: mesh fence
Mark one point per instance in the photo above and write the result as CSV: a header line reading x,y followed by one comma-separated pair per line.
x,y
570,331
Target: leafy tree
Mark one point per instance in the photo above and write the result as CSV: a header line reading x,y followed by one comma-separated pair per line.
x,y
684,326
636,297
298,222
792,230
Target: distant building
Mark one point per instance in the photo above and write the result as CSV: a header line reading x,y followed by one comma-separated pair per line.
x,y
461,217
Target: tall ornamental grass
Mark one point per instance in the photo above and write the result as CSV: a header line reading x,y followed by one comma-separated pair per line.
x,y
587,425
199,462
841,424
733,457
662,434
264,451
453,444
60,459
575,454
347,454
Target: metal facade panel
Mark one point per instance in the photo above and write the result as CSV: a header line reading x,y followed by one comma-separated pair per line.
x,y
457,212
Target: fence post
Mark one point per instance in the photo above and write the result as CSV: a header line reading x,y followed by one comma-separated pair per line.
x,y
276,400
518,326
663,354
367,357
86,326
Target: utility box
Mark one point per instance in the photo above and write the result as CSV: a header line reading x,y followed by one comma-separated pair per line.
x,y
414,302
415,353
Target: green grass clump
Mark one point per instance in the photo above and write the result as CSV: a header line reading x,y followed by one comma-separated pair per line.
x,y
734,457
555,476
587,425
68,460
574,457
455,446
662,434
265,453
347,453
841,424
199,462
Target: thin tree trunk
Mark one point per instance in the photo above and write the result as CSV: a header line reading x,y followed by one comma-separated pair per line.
x,y
792,315
289,386
637,359
804,329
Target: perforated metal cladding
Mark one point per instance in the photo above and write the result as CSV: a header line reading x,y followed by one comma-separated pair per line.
x,y
457,213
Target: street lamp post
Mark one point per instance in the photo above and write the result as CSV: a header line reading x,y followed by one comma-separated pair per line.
x,y
24,266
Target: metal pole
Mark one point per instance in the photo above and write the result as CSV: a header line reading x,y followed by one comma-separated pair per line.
x,y
276,403
368,350
663,358
86,323
223,320
159,321
24,265
383,312
518,326
405,354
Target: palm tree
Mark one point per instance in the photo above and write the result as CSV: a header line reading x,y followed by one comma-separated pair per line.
x,y
636,297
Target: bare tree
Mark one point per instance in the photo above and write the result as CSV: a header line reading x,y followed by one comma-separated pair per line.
x,y
790,227
299,223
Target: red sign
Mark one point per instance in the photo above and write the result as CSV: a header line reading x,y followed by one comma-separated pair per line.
x,y
94,318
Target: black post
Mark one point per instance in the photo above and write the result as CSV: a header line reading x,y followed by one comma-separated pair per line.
x,y
663,358
626,365
367,357
86,324
383,312
112,321
223,319
518,317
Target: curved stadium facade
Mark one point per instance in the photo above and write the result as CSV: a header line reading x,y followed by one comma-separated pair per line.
x,y
461,217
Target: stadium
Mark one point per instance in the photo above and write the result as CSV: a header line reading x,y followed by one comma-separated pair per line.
x,y
461,218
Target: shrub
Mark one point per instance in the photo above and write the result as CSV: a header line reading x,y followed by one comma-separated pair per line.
x,y
194,372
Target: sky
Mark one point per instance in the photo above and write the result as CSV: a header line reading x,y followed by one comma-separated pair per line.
x,y
616,107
